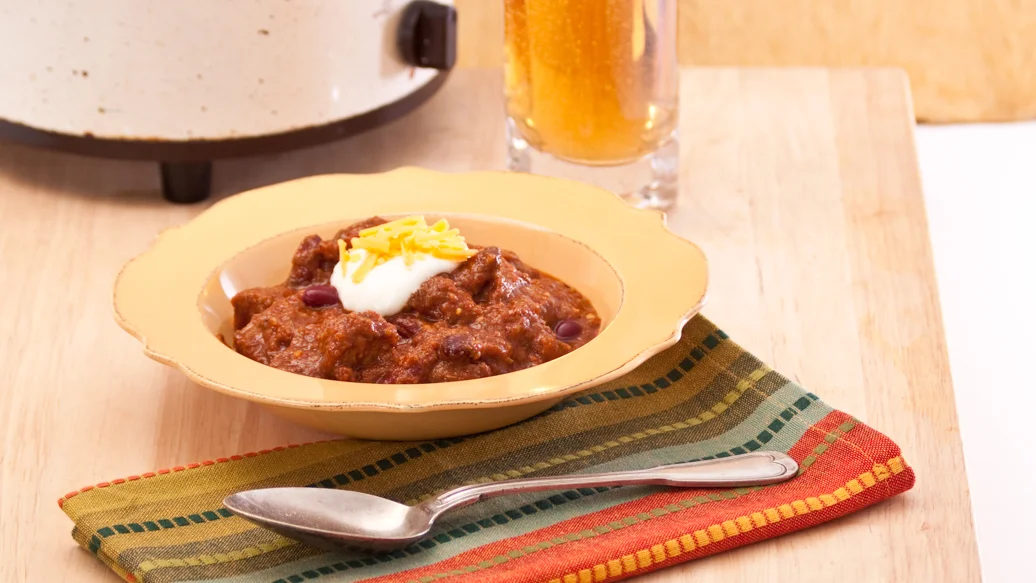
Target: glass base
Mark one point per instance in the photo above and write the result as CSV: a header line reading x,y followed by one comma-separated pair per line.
x,y
650,182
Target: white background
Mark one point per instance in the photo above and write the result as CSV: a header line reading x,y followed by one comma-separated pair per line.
x,y
980,193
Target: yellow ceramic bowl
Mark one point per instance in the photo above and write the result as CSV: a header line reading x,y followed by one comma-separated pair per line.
x,y
175,298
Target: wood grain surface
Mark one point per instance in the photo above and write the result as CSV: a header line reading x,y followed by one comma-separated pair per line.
x,y
800,185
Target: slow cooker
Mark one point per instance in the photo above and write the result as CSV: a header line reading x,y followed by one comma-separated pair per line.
x,y
187,82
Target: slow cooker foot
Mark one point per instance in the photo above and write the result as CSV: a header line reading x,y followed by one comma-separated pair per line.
x,y
186,182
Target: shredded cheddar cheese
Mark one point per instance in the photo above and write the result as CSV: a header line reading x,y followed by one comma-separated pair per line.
x,y
408,238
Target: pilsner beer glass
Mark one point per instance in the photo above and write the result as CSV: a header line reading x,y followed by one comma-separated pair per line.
x,y
592,93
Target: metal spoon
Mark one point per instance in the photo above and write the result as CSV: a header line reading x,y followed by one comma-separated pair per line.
x,y
342,519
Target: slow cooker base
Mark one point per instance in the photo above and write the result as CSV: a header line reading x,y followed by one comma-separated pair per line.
x,y
186,166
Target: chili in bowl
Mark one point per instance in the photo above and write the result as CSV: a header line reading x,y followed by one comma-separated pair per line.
x,y
406,301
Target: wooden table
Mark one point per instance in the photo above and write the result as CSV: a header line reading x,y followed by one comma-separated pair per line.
x,y
800,185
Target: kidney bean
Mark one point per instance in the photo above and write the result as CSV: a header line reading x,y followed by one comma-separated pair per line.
x,y
456,346
568,329
407,325
318,296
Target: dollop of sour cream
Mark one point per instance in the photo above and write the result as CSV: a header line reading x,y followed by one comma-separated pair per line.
x,y
389,285
385,264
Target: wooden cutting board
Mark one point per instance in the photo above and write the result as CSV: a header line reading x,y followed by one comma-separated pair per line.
x,y
800,185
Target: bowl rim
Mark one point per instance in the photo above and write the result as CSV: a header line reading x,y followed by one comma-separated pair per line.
x,y
588,215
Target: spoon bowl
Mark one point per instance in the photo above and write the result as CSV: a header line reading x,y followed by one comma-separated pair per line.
x,y
339,519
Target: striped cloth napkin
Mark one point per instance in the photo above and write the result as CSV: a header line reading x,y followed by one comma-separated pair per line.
x,y
703,398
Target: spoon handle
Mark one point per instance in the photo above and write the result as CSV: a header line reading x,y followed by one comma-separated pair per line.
x,y
752,469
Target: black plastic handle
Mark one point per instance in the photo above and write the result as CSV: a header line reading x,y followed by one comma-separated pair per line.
x,y
427,35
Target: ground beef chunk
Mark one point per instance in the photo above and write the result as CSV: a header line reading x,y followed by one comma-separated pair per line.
x,y
441,299
252,301
478,271
315,258
320,342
